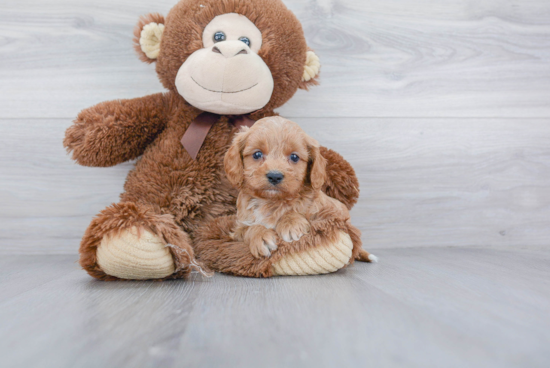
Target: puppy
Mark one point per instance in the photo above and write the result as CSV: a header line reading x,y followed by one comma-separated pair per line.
x,y
280,172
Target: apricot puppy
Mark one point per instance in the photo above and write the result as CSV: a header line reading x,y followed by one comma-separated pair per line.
x,y
280,173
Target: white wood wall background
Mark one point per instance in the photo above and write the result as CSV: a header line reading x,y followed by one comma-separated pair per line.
x,y
442,107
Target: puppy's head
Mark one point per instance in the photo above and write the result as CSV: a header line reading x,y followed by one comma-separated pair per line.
x,y
275,159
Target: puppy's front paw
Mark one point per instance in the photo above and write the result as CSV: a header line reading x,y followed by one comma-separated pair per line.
x,y
263,243
293,227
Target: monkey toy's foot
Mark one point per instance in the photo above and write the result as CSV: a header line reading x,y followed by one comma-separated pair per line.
x,y
127,241
135,254
329,246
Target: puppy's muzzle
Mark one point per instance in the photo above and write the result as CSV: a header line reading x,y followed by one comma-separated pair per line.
x,y
275,177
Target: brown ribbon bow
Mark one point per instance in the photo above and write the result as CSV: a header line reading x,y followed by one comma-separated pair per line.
x,y
194,136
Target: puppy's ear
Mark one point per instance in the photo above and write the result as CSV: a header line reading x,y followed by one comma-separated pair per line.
x,y
147,37
317,165
233,161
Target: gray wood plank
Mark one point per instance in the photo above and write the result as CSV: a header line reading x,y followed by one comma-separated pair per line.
x,y
380,58
37,271
418,307
424,182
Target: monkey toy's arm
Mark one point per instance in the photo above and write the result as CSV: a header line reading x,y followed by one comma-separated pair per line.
x,y
116,131
341,182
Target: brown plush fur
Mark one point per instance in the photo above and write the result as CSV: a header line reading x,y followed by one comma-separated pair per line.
x,y
283,44
216,249
123,216
168,191
341,182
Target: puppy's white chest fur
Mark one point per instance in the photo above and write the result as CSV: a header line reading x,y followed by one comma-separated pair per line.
x,y
258,214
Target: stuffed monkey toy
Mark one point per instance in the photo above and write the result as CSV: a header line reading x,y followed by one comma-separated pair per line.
x,y
225,64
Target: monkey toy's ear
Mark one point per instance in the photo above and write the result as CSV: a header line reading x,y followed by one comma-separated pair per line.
x,y
147,36
311,71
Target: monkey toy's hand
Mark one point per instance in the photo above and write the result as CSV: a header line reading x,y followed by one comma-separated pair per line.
x,y
341,182
113,132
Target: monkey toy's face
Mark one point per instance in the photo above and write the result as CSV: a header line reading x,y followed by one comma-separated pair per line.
x,y
229,57
227,76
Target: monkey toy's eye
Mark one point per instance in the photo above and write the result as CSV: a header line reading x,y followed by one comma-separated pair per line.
x,y
294,158
245,40
257,155
219,36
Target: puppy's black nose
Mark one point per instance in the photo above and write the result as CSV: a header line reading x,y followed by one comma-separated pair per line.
x,y
275,177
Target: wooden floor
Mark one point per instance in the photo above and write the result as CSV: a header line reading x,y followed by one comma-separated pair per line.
x,y
418,307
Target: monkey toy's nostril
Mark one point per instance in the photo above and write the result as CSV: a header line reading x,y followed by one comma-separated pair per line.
x,y
275,177
229,49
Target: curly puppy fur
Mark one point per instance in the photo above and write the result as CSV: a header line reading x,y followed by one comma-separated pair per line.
x,y
292,215
280,172
168,192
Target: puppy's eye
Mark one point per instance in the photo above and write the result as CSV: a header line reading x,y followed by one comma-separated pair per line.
x,y
257,155
294,158
245,40
219,36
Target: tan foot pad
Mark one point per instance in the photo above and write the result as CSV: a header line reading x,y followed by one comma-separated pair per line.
x,y
128,256
315,261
